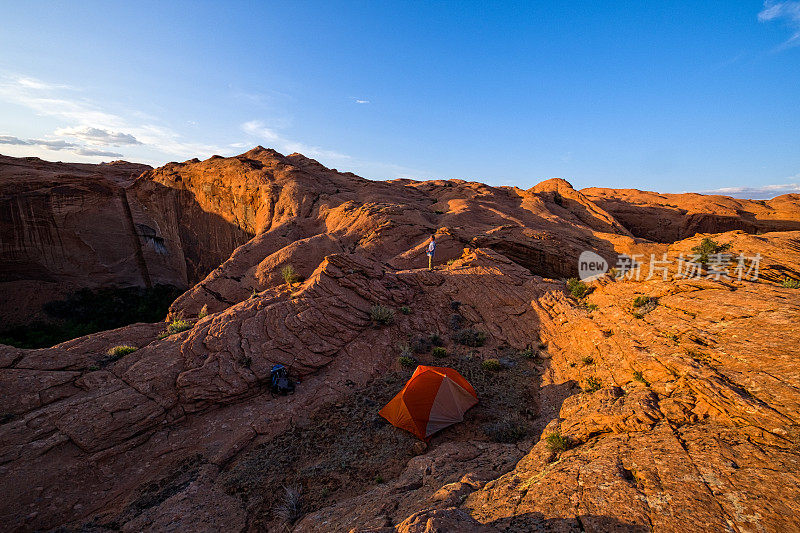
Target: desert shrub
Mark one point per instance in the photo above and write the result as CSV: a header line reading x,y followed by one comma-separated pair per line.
x,y
450,262
289,275
290,508
643,305
178,325
438,351
457,321
92,368
436,339
492,365
507,430
529,353
421,344
556,442
577,288
587,360
707,248
439,212
119,351
406,361
381,315
469,337
379,479
254,294
406,310
203,311
638,376
592,385
790,283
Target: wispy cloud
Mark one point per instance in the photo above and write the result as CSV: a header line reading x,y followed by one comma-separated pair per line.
x,y
257,129
98,136
789,12
44,143
764,192
88,123
8,139
101,153
361,101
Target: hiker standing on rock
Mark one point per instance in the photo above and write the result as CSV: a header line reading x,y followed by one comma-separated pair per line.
x,y
430,252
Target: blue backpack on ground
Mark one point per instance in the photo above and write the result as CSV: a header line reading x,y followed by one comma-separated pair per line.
x,y
279,381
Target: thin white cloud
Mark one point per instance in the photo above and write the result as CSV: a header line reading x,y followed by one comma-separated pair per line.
x,y
764,192
8,139
789,12
95,126
100,153
44,143
275,140
98,136
359,101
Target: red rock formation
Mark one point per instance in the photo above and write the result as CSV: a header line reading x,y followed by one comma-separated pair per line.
x,y
672,217
677,415
64,226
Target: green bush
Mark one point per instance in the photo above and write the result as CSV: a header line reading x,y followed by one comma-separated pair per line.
x,y
707,248
406,361
203,311
790,283
557,443
638,376
528,353
178,325
438,351
381,315
492,365
289,274
577,288
406,310
592,385
119,351
641,301
587,360
436,339
469,337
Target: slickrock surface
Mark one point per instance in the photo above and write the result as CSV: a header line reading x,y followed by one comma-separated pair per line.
x,y
671,217
680,414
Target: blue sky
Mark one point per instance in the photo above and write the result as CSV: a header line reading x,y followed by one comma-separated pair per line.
x,y
669,96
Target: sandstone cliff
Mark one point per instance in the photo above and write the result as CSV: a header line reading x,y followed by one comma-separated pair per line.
x,y
676,414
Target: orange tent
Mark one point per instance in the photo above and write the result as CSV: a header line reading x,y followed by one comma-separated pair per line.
x,y
434,398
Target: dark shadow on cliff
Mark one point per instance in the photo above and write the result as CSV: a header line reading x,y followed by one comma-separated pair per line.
x,y
667,225
89,311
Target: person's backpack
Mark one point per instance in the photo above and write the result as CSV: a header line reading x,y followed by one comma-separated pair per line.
x,y
279,381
